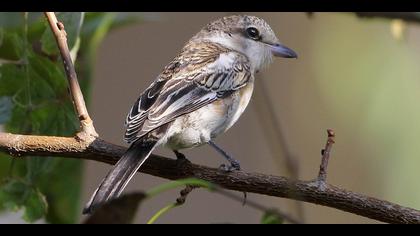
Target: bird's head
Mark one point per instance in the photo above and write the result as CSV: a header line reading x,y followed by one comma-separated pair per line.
x,y
249,35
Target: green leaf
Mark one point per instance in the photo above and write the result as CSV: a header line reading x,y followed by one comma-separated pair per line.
x,y
178,183
35,206
37,166
162,211
12,46
11,80
5,161
72,24
5,109
14,20
50,72
16,194
271,217
12,194
64,192
1,36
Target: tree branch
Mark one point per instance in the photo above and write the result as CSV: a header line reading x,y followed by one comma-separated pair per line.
x,y
86,124
87,146
322,175
308,191
406,16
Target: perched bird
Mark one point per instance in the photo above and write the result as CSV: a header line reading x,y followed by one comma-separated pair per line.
x,y
200,94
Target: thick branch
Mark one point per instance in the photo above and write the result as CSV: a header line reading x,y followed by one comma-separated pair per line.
x,y
87,128
307,191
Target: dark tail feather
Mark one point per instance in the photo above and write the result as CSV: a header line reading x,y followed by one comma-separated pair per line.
x,y
116,180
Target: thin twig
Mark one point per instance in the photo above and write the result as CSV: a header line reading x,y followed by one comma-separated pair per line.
x,y
258,206
179,202
322,175
271,123
276,137
189,188
86,124
99,150
184,193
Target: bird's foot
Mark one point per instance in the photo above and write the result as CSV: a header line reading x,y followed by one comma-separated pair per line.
x,y
234,165
181,159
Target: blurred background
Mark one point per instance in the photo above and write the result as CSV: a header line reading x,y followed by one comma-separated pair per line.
x,y
357,76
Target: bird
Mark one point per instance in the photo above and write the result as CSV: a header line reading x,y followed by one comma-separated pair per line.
x,y
199,95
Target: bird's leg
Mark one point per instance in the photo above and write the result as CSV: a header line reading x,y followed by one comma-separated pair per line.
x,y
180,158
234,164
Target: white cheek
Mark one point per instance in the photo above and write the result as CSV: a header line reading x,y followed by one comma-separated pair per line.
x,y
259,55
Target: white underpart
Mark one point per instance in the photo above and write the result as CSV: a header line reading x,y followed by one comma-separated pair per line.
x,y
204,124
201,126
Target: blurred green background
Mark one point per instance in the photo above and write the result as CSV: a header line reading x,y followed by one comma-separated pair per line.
x,y
353,75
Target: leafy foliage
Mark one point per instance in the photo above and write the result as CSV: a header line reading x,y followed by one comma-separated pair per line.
x,y
15,194
179,183
73,23
34,100
36,85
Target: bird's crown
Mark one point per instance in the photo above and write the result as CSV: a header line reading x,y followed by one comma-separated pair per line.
x,y
242,25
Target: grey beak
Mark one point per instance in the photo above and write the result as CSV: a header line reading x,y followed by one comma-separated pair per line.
x,y
279,50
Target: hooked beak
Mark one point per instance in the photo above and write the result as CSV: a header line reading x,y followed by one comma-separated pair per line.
x,y
279,50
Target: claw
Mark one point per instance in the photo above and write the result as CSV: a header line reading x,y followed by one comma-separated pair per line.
x,y
179,155
234,164
229,168
181,159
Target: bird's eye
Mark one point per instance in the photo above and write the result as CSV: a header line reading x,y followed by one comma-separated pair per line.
x,y
253,33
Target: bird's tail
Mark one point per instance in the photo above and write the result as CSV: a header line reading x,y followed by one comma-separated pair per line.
x,y
116,180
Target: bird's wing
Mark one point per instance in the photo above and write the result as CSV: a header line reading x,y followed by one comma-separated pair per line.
x,y
191,81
